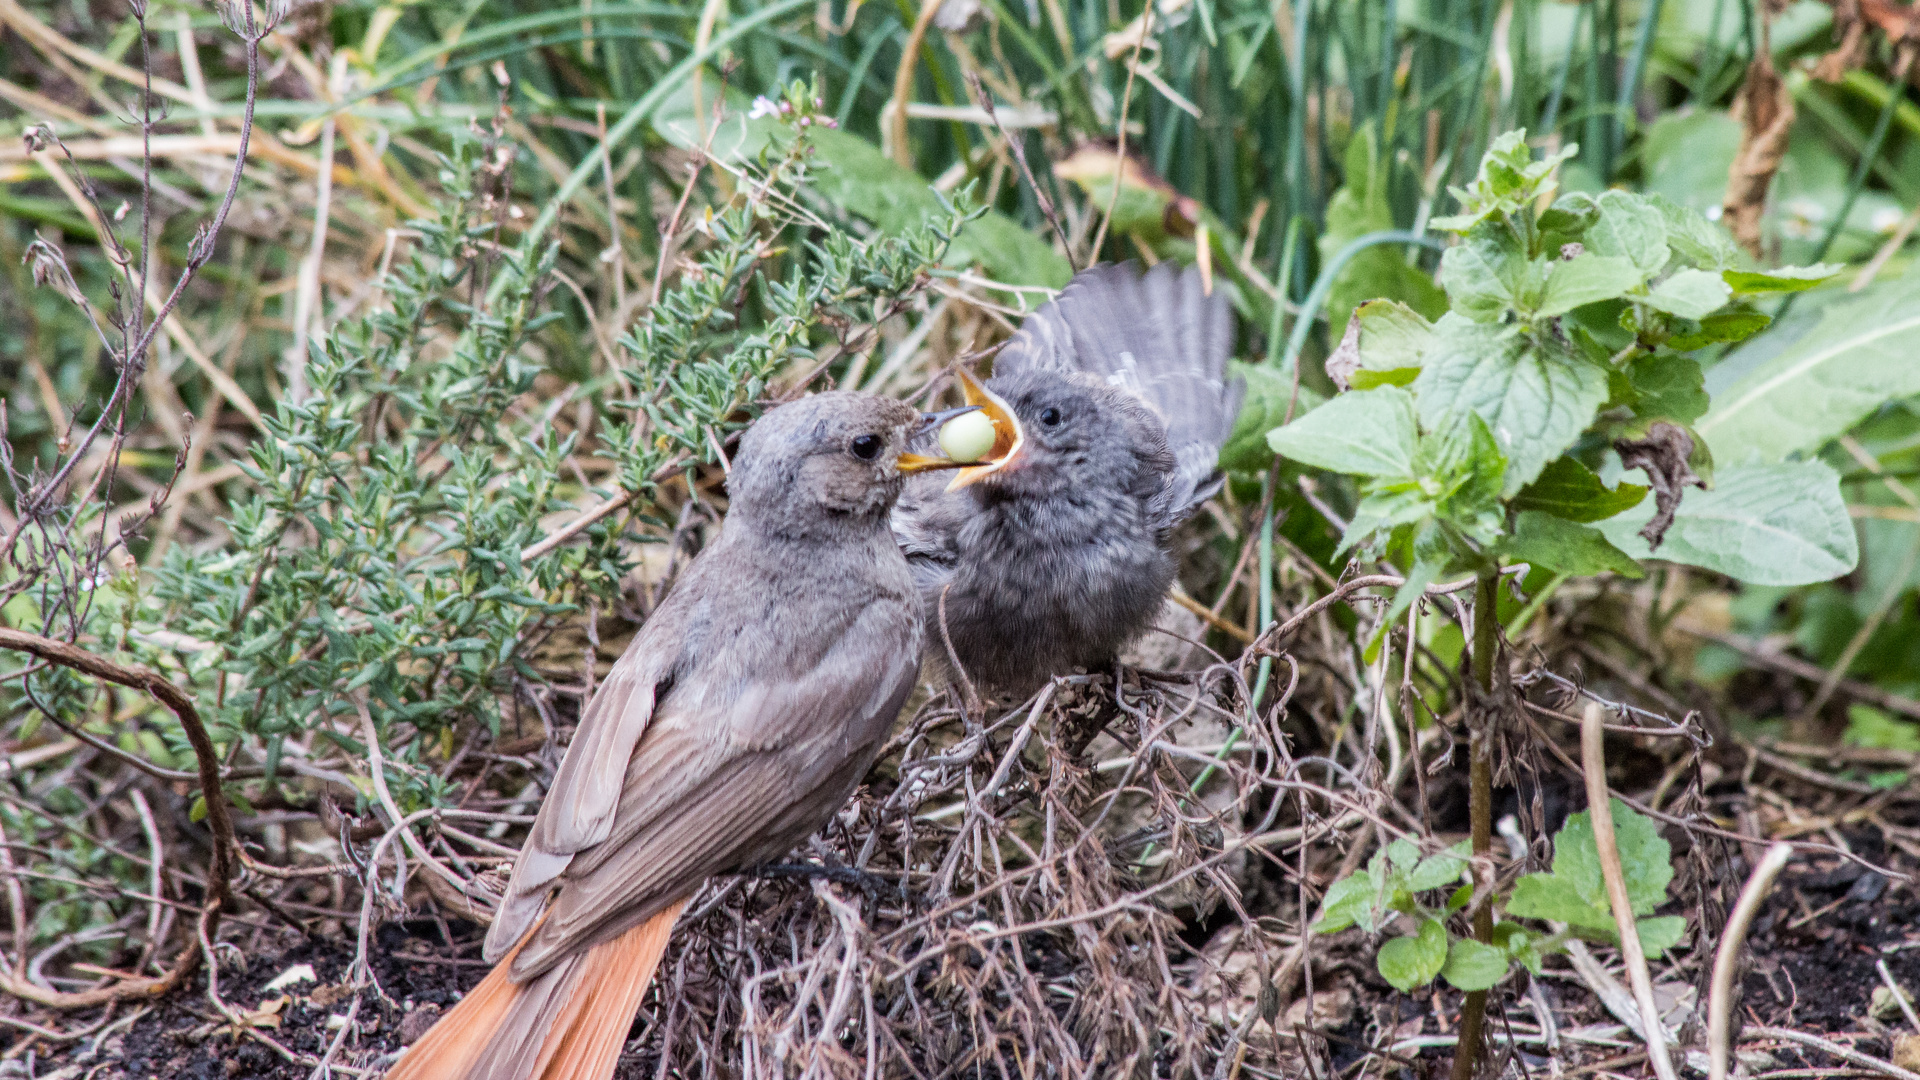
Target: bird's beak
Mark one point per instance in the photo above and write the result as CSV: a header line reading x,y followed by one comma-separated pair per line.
x,y
1008,439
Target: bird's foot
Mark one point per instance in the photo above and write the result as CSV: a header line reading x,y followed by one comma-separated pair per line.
x,y
873,885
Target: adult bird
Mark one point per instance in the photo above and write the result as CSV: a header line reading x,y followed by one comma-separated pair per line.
x,y
1111,404
736,724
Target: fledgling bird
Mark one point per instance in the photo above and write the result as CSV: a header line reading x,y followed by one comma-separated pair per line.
x,y
1053,554
736,724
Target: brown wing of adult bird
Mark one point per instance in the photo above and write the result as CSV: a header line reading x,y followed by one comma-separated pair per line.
x,y
737,723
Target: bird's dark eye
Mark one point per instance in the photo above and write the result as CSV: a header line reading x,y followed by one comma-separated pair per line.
x,y
1050,416
867,447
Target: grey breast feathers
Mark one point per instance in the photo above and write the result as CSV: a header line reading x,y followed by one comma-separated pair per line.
x,y
1158,335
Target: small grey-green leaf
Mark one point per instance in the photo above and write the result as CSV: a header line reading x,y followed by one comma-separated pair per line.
x,y
1362,432
1585,280
1762,524
1690,294
1660,933
1555,899
1632,227
1646,861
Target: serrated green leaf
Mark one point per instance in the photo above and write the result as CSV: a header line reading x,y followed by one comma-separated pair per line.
x,y
1489,274
1536,403
1565,547
1403,854
1349,902
1587,279
1436,871
1646,860
1409,962
1854,357
1629,226
1694,238
1362,432
1474,966
1555,899
1781,279
1570,490
1762,524
1690,294
1508,179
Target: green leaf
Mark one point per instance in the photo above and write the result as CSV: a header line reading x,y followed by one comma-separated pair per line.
x,y
1262,409
1694,238
1393,339
1489,274
1535,402
1565,547
1868,726
1631,227
1646,861
1781,279
1555,899
1854,357
1349,901
1586,279
1736,325
1436,871
1660,933
1474,966
1409,962
1667,387
1568,489
1762,524
1364,432
1518,942
1690,294
1507,180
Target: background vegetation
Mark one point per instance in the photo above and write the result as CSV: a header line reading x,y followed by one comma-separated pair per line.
x,y
445,394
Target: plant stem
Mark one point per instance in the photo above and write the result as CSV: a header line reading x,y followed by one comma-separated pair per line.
x,y
1486,641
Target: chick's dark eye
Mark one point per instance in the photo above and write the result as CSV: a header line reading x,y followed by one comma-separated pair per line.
x,y
1050,416
867,447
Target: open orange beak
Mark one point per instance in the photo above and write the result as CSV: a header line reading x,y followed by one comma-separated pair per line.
x,y
1008,441
913,463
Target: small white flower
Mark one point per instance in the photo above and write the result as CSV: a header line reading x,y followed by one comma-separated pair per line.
x,y
762,106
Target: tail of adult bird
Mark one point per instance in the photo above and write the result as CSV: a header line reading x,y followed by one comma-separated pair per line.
x,y
1160,334
567,1023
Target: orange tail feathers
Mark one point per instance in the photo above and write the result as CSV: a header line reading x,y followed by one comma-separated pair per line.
x,y
581,1034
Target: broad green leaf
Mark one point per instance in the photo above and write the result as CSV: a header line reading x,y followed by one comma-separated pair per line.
x,y
1436,871
1536,403
1660,933
1409,962
1518,942
1489,274
1762,524
1565,547
1556,899
1349,902
1383,510
1566,221
1693,237
1646,861
1781,279
1631,227
1857,355
1568,489
1586,279
1736,325
1403,854
1690,294
1474,966
1359,207
1364,432
1667,387
1262,409
1393,339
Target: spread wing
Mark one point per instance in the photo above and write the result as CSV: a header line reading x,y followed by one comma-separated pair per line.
x,y
702,753
1159,336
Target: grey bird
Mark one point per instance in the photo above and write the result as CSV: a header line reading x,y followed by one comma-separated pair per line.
x,y
1112,403
738,721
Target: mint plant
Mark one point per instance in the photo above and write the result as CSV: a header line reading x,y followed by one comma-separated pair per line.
x,y
1502,432
1400,887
